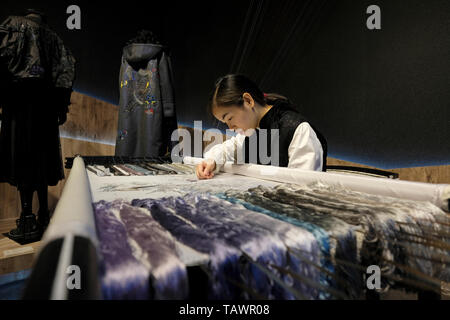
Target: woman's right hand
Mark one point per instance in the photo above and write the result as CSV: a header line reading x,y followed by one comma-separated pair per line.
x,y
205,169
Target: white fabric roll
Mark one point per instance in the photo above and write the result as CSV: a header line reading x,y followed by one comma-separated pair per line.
x,y
438,194
73,213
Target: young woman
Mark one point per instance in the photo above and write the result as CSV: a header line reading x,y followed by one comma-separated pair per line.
x,y
238,102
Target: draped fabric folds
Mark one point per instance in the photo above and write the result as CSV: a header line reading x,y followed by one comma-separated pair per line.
x,y
396,235
137,252
264,239
285,242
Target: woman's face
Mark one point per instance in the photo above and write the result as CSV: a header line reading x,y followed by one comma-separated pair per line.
x,y
238,117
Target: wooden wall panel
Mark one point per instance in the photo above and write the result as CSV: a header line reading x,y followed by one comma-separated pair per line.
x,y
91,119
431,174
88,118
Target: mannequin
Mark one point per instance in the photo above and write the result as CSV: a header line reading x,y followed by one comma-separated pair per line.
x,y
30,150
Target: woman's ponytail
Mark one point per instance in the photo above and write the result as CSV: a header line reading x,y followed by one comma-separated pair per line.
x,y
271,98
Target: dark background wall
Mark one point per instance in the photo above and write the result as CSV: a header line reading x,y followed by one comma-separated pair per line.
x,y
382,97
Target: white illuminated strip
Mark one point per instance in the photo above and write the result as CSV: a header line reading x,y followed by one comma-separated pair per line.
x,y
59,288
67,136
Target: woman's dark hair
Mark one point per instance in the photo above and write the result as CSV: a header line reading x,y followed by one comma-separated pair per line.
x,y
228,91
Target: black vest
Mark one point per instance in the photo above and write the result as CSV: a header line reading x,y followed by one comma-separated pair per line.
x,y
286,119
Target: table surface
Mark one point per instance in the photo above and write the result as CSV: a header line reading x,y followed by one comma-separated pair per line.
x,y
141,187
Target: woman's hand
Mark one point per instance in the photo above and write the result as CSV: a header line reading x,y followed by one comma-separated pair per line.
x,y
205,170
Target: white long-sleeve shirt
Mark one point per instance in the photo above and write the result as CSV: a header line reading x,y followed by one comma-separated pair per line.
x,y
305,150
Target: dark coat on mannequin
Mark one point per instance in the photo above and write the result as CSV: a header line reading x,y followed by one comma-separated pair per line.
x,y
37,74
147,115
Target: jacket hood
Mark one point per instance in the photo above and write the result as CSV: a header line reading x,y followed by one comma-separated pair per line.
x,y
141,51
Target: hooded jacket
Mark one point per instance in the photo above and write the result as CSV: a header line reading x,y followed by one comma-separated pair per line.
x,y
147,114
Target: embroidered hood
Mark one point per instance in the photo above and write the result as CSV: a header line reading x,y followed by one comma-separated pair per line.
x,y
139,52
